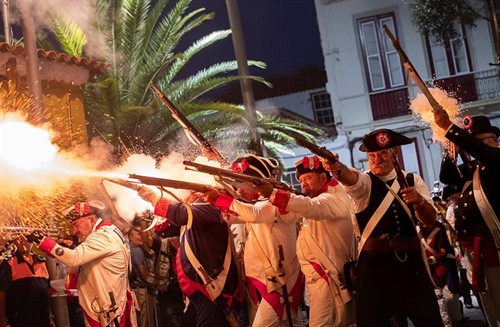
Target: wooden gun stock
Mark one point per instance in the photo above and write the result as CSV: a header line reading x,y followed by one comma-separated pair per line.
x,y
317,150
237,179
193,135
169,183
436,107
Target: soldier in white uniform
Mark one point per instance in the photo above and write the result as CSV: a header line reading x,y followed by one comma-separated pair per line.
x,y
271,264
325,242
102,260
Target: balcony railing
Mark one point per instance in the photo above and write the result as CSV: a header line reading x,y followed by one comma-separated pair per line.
x,y
390,104
472,87
487,84
475,86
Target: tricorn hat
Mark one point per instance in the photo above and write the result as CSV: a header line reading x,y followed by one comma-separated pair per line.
x,y
256,166
381,139
479,124
84,209
309,165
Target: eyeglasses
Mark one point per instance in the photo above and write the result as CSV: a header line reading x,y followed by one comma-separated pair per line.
x,y
384,154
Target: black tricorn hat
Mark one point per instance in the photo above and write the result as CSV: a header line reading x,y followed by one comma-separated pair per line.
x,y
253,165
479,124
381,139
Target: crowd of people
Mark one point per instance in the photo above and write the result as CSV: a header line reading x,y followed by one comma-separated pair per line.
x,y
356,248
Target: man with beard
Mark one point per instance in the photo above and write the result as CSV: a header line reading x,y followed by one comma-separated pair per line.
x,y
102,260
325,242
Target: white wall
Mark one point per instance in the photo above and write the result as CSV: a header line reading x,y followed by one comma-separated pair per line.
x,y
299,103
347,84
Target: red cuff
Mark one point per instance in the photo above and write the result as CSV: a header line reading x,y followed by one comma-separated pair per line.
x,y
224,202
161,207
281,199
47,244
162,226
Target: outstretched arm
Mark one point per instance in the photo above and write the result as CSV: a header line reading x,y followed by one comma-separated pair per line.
x,y
340,171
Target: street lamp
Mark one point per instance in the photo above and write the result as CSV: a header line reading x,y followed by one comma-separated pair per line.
x,y
245,83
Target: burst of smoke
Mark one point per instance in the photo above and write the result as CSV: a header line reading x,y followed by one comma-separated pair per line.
x,y
82,12
39,181
423,111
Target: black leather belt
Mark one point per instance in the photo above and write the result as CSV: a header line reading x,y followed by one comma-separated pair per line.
x,y
394,244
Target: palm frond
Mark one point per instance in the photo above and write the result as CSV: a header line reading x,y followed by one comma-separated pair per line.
x,y
70,35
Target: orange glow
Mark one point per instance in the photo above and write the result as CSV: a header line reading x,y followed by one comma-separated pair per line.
x,y
24,146
423,110
38,181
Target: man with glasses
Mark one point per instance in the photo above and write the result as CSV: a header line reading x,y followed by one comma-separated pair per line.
x,y
478,207
392,277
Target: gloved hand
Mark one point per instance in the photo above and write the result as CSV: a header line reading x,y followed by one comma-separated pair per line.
x,y
35,237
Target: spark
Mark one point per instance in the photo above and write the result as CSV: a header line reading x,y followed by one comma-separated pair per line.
x,y
423,111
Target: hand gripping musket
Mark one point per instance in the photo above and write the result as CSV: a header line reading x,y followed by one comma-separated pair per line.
x,y
193,135
230,178
284,289
412,72
13,232
161,183
320,151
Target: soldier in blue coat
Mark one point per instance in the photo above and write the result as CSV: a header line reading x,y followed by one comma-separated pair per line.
x,y
478,207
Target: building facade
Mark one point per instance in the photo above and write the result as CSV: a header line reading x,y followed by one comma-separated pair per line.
x,y
370,89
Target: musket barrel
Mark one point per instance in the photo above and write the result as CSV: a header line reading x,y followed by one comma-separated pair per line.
x,y
436,107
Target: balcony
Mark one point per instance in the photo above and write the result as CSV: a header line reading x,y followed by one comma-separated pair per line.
x,y
476,86
390,103
482,85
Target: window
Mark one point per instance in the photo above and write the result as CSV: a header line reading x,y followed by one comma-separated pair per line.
x,y
451,59
384,73
322,108
382,63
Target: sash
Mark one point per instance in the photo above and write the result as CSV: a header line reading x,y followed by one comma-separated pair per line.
x,y
215,285
378,214
426,242
489,216
338,286
274,279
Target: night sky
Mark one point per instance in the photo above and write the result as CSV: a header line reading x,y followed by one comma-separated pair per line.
x,y
282,33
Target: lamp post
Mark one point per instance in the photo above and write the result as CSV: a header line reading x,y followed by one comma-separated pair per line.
x,y
245,83
32,67
6,21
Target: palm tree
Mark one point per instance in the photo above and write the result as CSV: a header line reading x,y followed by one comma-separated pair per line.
x,y
142,38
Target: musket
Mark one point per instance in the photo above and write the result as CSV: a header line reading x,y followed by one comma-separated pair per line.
x,y
399,173
28,229
284,289
320,151
412,72
169,183
193,135
228,177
